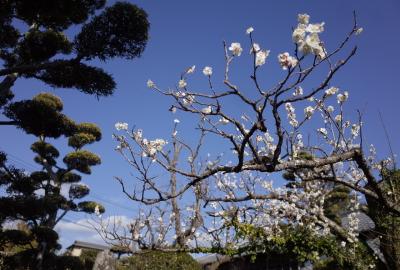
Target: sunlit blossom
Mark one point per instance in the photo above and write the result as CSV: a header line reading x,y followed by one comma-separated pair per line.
x,y
261,56
207,110
323,131
359,30
182,83
249,30
121,126
236,48
150,84
298,91
303,18
207,71
342,97
331,91
223,121
286,61
309,111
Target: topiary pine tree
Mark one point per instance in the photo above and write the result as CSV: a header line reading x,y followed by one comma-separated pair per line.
x,y
46,53
36,198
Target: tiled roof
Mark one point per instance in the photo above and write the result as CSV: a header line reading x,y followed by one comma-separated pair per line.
x,y
81,244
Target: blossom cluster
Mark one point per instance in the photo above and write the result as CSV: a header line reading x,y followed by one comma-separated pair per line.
x,y
286,61
291,114
306,36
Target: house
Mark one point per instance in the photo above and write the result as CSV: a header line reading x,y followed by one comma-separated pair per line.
x,y
78,246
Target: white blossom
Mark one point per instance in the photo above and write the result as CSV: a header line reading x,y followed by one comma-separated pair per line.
x,y
299,34
255,48
286,61
330,109
342,97
309,111
223,121
323,131
207,110
176,121
236,49
249,30
150,84
182,83
331,91
355,130
303,18
359,30
298,91
312,44
188,100
315,28
121,126
261,56
207,71
291,115
151,147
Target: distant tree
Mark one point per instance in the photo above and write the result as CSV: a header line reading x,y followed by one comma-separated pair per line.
x,y
36,198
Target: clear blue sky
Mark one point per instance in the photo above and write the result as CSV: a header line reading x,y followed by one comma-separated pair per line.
x,y
185,33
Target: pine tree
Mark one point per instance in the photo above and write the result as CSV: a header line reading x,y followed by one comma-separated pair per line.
x,y
44,52
35,198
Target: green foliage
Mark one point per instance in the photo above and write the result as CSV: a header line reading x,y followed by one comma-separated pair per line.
x,y
80,139
41,117
387,223
150,260
114,34
41,210
90,207
90,128
87,258
305,155
46,151
31,49
81,161
50,101
337,203
301,244
69,177
8,34
69,74
78,191
44,51
56,14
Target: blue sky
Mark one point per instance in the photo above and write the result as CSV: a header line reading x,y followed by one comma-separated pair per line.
x,y
185,33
